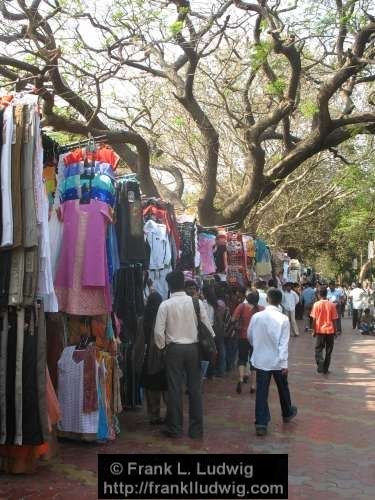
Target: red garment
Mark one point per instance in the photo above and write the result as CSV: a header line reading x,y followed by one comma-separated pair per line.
x,y
244,312
325,313
106,154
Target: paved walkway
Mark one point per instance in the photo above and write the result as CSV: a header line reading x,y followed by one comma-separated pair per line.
x,y
331,443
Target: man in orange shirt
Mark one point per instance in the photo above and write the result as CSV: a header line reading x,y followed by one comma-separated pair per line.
x,y
324,315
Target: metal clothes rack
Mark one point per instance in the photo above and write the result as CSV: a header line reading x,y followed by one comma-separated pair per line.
x,y
84,142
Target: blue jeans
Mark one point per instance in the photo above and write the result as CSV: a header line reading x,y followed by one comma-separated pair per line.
x,y
218,368
204,368
262,412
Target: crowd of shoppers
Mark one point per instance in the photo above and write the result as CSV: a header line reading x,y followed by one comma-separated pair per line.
x,y
251,329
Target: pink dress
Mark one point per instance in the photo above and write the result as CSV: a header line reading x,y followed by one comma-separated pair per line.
x,y
206,243
82,282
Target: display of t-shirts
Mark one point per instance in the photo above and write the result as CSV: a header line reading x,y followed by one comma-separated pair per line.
x,y
206,244
160,248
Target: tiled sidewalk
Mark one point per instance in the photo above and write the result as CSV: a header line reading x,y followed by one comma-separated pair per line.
x,y
331,444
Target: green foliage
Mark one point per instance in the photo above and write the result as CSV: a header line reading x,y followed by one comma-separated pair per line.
x,y
176,27
259,54
179,121
308,108
276,87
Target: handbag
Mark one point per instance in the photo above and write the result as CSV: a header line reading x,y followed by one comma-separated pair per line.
x,y
206,340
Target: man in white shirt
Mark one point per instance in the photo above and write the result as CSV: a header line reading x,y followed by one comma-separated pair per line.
x,y
176,329
268,333
260,287
357,296
289,302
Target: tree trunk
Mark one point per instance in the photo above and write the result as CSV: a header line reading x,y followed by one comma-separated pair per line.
x,y
364,269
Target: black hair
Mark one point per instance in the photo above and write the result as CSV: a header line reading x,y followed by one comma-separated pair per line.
x,y
210,296
272,283
151,309
323,292
367,310
274,296
332,283
260,284
253,298
241,290
191,283
176,281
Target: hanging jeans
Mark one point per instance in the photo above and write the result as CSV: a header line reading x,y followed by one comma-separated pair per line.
x,y
263,379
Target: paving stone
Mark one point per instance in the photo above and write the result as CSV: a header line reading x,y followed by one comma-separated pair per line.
x,y
330,444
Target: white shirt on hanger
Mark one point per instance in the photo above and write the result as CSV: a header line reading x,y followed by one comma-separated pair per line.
x,y
157,237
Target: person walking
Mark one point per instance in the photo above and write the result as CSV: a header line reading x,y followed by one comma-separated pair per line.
x,y
308,297
325,316
289,301
217,314
336,296
260,286
154,379
241,317
176,329
357,296
269,333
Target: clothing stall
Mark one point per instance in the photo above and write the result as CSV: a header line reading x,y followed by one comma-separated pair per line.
x,y
28,404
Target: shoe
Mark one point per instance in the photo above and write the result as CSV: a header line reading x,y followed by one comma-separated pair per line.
x,y
290,418
326,372
320,369
252,390
169,434
246,379
239,388
260,430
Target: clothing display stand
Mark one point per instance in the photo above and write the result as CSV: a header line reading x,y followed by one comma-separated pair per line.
x,y
28,404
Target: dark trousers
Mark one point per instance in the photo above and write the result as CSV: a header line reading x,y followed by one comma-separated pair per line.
x,y
324,342
262,412
153,399
357,313
231,348
338,321
181,359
